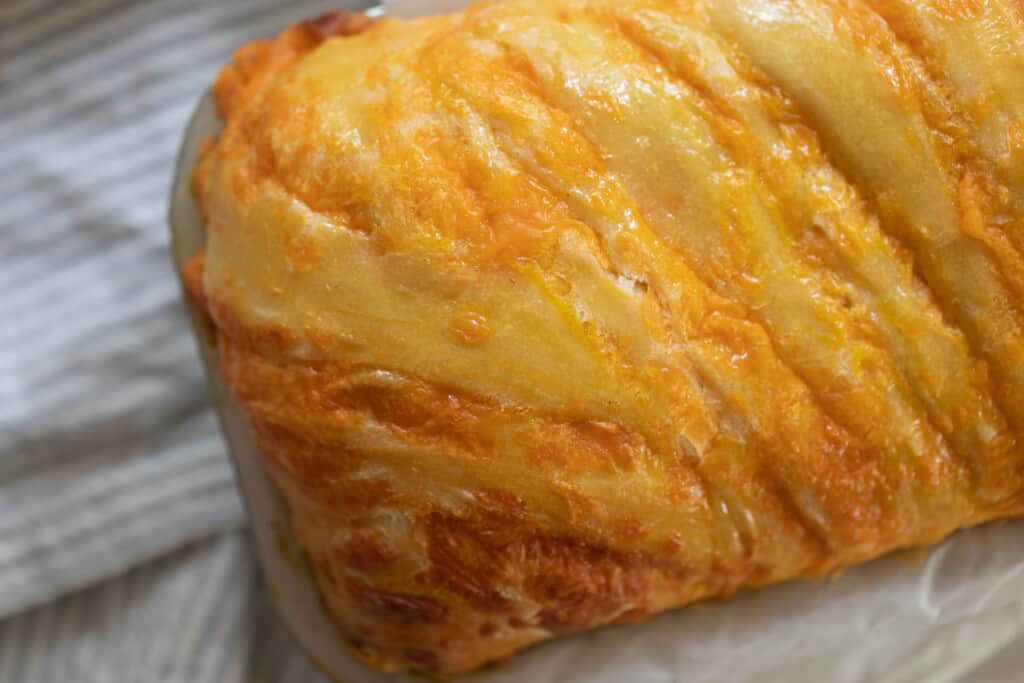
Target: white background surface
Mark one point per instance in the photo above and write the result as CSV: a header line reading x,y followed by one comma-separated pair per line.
x,y
110,458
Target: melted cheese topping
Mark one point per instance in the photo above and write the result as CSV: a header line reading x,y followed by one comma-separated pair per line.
x,y
641,301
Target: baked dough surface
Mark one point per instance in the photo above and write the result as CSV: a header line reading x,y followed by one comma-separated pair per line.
x,y
551,314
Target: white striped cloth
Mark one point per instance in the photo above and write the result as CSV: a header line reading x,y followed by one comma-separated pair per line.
x,y
197,616
110,457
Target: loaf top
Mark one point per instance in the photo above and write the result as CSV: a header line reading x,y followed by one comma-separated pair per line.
x,y
732,289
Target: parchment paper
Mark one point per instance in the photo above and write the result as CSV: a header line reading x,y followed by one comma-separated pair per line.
x,y
951,614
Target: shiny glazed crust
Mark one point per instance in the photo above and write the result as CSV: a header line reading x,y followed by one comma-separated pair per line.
x,y
552,314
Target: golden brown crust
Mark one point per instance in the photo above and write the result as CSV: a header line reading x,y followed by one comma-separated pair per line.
x,y
556,313
254,64
192,279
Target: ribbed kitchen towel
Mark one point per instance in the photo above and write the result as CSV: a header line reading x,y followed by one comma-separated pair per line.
x,y
109,453
200,615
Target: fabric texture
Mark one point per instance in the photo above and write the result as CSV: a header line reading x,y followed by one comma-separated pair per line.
x,y
200,614
110,456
